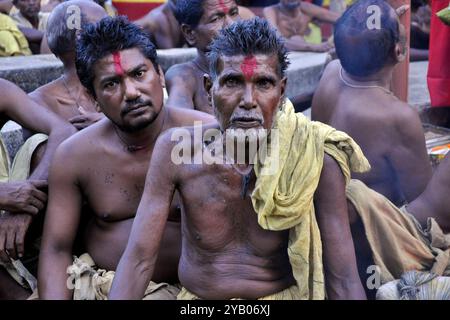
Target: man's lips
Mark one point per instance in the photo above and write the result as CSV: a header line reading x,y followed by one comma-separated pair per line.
x,y
246,122
136,108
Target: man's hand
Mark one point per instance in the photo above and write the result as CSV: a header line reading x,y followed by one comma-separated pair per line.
x,y
23,196
13,228
85,119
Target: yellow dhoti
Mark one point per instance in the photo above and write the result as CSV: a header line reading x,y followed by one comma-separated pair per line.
x,y
399,244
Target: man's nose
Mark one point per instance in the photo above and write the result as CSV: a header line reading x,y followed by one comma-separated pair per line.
x,y
131,91
248,100
228,20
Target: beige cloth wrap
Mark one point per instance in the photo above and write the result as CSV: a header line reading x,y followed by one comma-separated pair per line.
x,y
19,171
91,283
284,199
409,257
291,293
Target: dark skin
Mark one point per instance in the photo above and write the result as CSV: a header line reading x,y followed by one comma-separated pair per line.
x,y
30,10
113,186
225,252
291,19
163,27
376,120
185,81
24,199
66,96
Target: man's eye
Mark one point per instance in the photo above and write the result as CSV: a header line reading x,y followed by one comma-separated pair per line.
x,y
109,84
265,84
139,73
234,13
231,82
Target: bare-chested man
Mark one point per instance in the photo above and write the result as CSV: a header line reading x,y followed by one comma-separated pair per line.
x,y
104,166
200,22
163,27
226,252
21,201
353,96
66,96
294,21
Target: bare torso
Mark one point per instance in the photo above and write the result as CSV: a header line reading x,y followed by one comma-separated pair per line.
x,y
289,25
225,252
367,117
112,188
163,27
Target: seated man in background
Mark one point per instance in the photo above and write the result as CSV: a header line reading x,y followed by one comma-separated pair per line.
x,y
31,21
66,96
294,20
200,21
98,175
23,195
163,27
353,96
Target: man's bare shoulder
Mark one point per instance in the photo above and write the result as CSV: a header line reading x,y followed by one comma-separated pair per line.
x,y
181,70
332,70
46,95
181,117
271,11
86,142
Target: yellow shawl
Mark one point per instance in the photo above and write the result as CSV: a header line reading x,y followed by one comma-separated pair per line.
x,y
284,199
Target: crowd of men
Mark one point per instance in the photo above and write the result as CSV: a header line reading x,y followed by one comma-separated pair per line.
x,y
221,190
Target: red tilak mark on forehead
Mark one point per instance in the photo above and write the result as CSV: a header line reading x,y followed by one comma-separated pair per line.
x,y
117,63
248,67
223,7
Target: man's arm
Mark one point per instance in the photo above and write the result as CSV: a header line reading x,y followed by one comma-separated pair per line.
x,y
408,154
137,264
21,109
61,224
181,88
319,13
341,273
32,35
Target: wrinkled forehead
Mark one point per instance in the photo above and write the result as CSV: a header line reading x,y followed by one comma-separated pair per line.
x,y
248,65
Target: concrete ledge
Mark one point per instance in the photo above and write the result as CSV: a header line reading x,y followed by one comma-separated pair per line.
x,y
31,72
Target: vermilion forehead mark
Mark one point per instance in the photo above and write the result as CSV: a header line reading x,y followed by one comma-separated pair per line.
x,y
248,66
223,6
117,63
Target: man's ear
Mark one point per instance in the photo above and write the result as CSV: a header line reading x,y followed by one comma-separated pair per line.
x,y
400,52
162,79
207,83
189,34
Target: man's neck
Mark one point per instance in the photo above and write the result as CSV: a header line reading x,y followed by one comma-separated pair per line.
x,y
201,62
382,78
145,138
34,20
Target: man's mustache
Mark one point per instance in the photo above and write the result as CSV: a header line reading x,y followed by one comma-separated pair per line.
x,y
132,105
247,117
